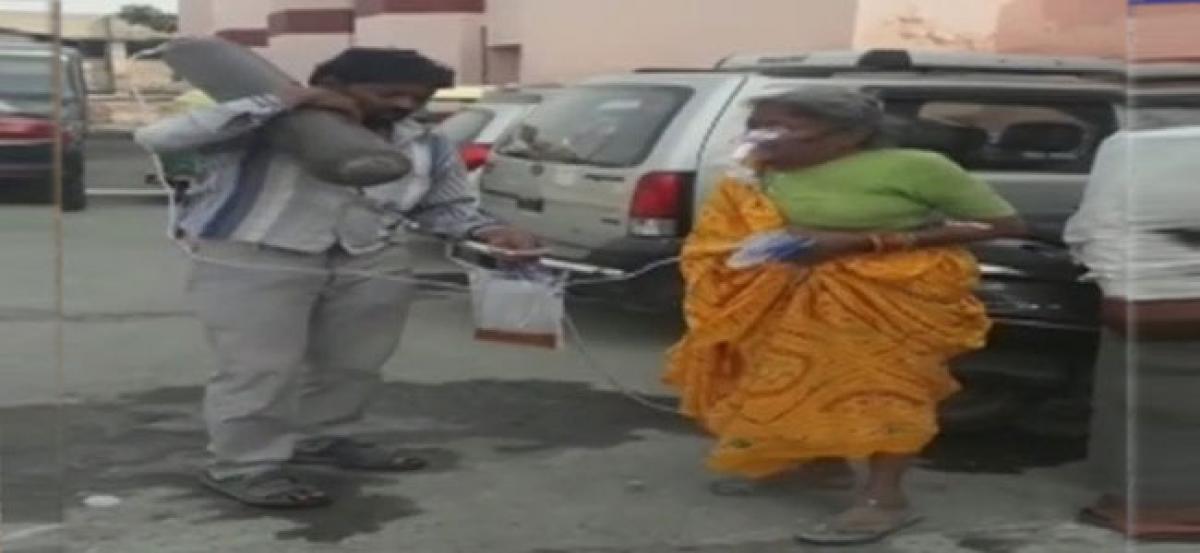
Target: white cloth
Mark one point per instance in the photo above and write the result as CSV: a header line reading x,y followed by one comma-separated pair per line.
x,y
1142,184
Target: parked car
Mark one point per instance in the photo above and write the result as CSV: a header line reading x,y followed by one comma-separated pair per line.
x,y
610,173
27,126
475,129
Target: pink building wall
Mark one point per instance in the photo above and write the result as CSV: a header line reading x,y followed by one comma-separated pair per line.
x,y
928,24
304,33
451,38
535,41
564,40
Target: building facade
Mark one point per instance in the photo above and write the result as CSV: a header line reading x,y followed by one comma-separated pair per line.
x,y
540,41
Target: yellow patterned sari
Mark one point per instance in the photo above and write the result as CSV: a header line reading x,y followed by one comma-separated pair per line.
x,y
844,359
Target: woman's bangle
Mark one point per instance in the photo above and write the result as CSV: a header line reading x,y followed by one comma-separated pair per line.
x,y
878,244
899,242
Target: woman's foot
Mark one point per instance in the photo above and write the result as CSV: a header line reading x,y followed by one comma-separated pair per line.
x,y
868,522
824,475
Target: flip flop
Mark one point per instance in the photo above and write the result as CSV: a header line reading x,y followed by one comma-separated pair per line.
x,y
351,454
268,490
829,533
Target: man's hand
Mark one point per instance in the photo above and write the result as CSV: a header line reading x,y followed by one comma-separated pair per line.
x,y
323,99
509,238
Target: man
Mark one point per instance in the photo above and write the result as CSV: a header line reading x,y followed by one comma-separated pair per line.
x,y
1135,230
299,330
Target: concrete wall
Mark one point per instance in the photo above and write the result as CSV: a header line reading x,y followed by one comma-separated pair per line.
x,y
451,38
537,41
1166,32
242,21
564,40
195,17
304,33
1101,27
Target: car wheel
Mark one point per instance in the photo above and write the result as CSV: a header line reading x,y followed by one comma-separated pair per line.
x,y
74,194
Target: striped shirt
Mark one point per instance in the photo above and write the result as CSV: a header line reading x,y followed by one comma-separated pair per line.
x,y
255,194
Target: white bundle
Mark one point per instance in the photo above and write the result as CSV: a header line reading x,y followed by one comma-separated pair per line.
x,y
1144,189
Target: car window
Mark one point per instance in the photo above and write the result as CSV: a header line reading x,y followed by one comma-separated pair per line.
x,y
465,126
1057,137
29,77
608,126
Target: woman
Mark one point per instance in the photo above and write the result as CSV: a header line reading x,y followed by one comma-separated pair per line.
x,y
841,353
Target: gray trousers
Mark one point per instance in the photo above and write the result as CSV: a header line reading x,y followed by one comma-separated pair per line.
x,y
299,353
1145,438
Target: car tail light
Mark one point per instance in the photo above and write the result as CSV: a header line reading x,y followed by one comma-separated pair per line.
x,y
661,205
475,155
29,129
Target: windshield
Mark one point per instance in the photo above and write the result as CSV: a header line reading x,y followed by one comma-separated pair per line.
x,y
607,126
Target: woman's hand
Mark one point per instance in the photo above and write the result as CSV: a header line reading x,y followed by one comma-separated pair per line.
x,y
831,244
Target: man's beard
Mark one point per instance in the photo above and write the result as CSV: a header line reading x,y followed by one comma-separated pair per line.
x,y
386,119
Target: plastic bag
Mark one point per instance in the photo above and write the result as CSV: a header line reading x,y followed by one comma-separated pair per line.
x,y
769,247
522,307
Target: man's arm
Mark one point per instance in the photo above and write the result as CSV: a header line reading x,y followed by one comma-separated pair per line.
x,y
449,210
211,125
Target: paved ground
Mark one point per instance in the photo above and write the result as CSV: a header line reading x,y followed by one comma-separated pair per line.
x,y
533,453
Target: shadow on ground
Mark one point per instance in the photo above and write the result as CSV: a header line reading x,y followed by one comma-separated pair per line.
x,y
152,441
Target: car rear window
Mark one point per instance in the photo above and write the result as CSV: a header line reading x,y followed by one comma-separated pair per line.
x,y
607,126
29,76
465,126
1009,135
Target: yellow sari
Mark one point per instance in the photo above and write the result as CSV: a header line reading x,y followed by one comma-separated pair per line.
x,y
845,359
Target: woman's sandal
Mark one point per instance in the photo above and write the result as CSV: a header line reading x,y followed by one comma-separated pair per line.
x,y
268,490
843,531
352,454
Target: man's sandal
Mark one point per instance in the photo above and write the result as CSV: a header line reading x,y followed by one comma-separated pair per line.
x,y
352,454
268,490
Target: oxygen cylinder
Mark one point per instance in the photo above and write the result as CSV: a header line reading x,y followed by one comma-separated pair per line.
x,y
326,144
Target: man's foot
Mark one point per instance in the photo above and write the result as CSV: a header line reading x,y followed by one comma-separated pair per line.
x,y
866,523
351,454
268,490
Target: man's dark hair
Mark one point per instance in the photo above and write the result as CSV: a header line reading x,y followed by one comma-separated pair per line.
x,y
383,66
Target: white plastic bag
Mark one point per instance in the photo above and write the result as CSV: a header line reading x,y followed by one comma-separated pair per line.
x,y
769,247
519,307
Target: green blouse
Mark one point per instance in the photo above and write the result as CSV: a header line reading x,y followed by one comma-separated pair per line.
x,y
887,189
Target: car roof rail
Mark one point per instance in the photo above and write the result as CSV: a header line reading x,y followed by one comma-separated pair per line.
x,y
825,63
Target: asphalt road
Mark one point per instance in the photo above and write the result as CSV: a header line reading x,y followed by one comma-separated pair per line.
x,y
533,451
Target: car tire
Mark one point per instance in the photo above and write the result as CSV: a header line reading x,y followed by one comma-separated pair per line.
x,y
74,194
